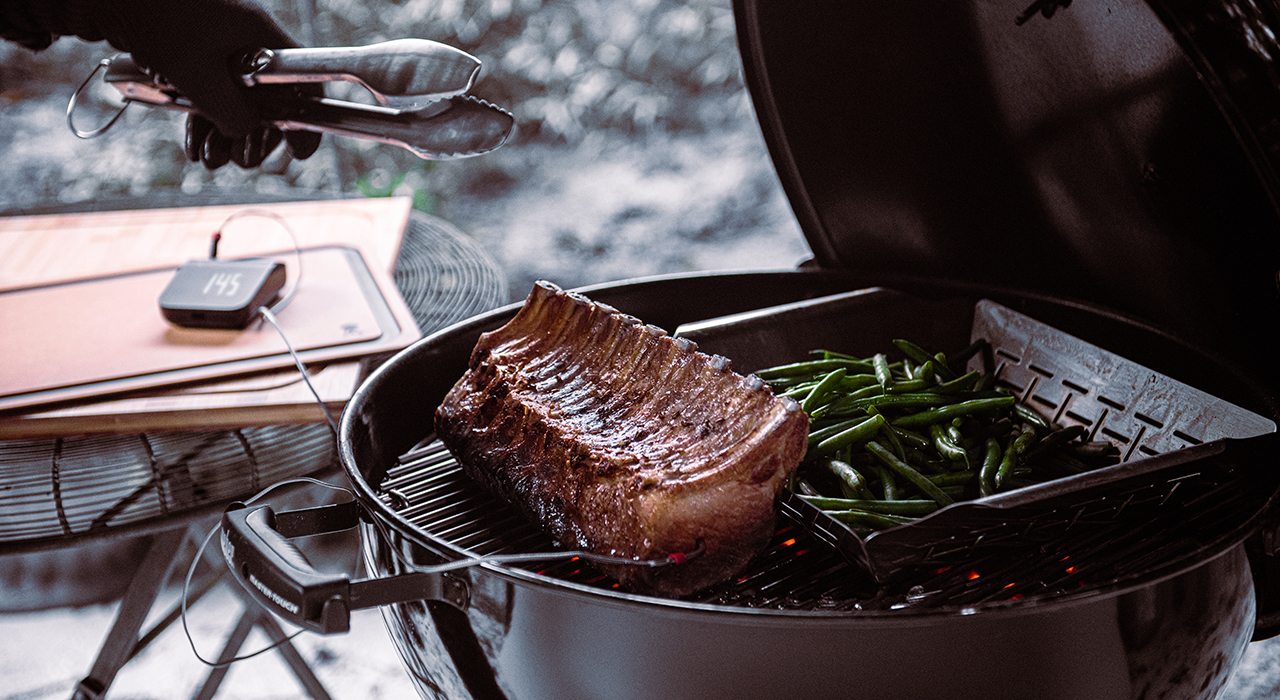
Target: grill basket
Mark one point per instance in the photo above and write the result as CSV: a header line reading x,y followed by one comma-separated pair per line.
x,y
1170,436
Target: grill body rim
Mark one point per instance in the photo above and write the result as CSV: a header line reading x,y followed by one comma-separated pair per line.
x,y
501,596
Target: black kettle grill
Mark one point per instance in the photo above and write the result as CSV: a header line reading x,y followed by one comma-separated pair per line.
x,y
1106,169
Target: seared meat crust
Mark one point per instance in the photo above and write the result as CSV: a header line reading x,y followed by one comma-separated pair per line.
x,y
621,440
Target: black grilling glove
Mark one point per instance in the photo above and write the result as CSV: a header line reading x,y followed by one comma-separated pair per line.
x,y
193,45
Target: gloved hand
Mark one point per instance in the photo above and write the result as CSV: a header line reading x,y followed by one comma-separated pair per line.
x,y
196,46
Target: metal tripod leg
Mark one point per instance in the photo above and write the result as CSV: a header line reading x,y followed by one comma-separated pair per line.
x,y
123,643
234,641
291,656
254,615
143,589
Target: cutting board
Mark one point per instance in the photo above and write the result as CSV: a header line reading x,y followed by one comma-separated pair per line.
x,y
58,257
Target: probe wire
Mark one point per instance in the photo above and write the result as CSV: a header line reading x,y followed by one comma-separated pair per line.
x,y
268,314
186,584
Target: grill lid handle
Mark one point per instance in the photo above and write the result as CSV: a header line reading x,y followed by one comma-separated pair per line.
x,y
255,543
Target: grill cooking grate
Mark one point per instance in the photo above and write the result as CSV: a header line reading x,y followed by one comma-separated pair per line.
x,y
798,571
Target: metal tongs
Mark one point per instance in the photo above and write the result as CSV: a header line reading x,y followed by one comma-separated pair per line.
x,y
419,88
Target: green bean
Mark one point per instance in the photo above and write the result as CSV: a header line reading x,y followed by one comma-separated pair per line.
x,y
866,518
1027,439
955,492
852,482
822,389
925,372
788,383
1008,458
911,438
1012,452
1027,414
929,463
943,442
913,507
833,355
909,385
898,448
856,433
903,469
848,405
952,478
920,355
912,350
1096,448
943,367
884,375
817,436
967,443
905,437
1053,441
858,381
964,382
804,488
946,413
990,465
812,368
888,485
797,391
821,422
911,400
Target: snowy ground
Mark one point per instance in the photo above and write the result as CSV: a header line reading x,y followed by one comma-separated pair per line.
x,y
45,654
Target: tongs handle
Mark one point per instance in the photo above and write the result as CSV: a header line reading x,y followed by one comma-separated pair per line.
x,y
464,126
453,127
403,74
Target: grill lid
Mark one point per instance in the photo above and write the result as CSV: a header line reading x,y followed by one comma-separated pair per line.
x,y
1080,152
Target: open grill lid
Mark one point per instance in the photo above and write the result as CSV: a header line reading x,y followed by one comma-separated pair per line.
x,y
1072,149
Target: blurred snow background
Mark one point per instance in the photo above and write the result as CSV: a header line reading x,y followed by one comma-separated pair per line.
x,y
637,153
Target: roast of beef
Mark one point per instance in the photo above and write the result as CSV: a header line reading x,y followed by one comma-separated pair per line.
x,y
621,440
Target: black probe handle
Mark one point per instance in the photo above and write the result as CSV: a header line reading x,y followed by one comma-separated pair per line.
x,y
278,576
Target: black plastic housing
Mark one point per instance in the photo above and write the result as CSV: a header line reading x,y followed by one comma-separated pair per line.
x,y
220,293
